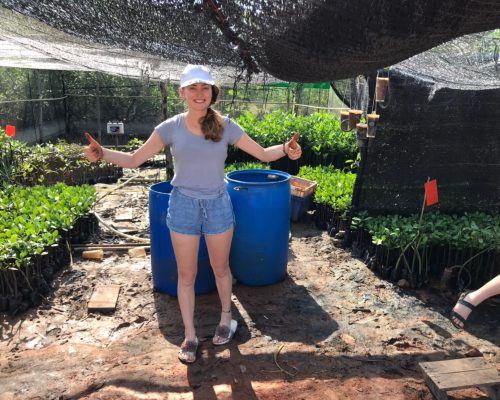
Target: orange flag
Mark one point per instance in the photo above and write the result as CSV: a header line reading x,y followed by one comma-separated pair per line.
x,y
10,130
431,192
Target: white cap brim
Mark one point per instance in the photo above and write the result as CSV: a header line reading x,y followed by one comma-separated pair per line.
x,y
198,80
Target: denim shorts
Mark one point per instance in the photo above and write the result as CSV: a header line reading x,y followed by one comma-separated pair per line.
x,y
191,216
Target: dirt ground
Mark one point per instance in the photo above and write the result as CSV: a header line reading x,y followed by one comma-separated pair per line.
x,y
330,330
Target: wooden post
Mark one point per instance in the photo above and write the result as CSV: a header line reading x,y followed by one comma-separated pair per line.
x,y
40,106
164,100
297,99
32,106
98,108
164,114
65,103
288,98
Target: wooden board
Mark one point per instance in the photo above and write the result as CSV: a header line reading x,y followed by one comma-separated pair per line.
x,y
124,214
462,373
104,298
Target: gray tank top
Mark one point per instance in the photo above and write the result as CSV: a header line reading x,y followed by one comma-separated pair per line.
x,y
198,163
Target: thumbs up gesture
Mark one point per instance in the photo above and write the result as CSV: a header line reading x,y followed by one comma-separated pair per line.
x,y
294,150
293,141
93,152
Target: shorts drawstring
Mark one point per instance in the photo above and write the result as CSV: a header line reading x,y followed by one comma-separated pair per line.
x,y
203,205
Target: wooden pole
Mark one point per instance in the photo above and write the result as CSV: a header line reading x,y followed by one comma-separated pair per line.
x,y
169,162
98,108
40,106
65,103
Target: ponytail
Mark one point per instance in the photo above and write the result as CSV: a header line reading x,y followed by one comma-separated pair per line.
x,y
212,124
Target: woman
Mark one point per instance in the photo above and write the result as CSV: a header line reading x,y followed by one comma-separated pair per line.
x,y
199,202
470,300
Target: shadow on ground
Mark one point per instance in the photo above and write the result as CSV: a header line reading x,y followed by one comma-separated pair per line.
x,y
284,312
238,371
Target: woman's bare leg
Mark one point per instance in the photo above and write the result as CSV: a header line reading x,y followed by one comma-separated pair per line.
x,y
186,255
218,249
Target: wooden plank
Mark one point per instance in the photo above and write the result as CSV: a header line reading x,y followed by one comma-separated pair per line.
x,y
461,374
438,393
124,214
463,380
104,298
458,365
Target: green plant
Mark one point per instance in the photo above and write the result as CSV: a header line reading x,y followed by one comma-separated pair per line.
x,y
33,218
245,165
335,187
320,135
134,144
12,154
464,242
46,164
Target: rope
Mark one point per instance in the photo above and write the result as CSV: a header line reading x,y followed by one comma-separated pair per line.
x,y
115,188
136,238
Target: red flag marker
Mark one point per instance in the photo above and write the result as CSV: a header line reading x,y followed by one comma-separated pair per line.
x,y
431,192
10,130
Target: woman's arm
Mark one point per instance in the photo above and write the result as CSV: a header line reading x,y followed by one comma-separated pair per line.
x,y
268,154
94,152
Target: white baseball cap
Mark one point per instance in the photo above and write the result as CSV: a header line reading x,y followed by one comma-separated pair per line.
x,y
196,74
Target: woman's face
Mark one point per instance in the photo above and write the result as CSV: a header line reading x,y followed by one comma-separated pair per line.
x,y
197,96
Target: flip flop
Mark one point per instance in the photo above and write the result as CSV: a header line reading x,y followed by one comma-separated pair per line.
x,y
456,315
225,332
188,350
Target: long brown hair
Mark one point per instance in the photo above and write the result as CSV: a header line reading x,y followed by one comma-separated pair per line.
x,y
212,124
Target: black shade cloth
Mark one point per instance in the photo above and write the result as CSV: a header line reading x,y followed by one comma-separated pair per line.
x,y
451,135
293,40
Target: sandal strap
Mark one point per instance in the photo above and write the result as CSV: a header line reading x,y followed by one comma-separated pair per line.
x,y
222,331
189,346
466,304
459,317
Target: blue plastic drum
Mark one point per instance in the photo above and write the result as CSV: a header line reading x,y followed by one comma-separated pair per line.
x,y
163,264
261,202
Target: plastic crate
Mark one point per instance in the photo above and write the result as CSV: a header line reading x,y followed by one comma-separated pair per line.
x,y
302,195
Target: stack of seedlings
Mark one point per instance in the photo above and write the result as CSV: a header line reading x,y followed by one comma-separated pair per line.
x,y
459,251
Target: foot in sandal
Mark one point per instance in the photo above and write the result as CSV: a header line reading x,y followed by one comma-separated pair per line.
x,y
461,311
187,352
224,333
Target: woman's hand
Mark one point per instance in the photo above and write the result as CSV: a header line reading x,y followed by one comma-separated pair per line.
x,y
292,148
93,152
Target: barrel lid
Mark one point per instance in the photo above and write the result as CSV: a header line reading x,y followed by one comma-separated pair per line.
x,y
258,177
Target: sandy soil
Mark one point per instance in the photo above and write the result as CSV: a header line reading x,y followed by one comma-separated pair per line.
x,y
330,330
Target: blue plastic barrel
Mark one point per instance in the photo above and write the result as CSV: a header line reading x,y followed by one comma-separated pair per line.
x,y
261,203
163,264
